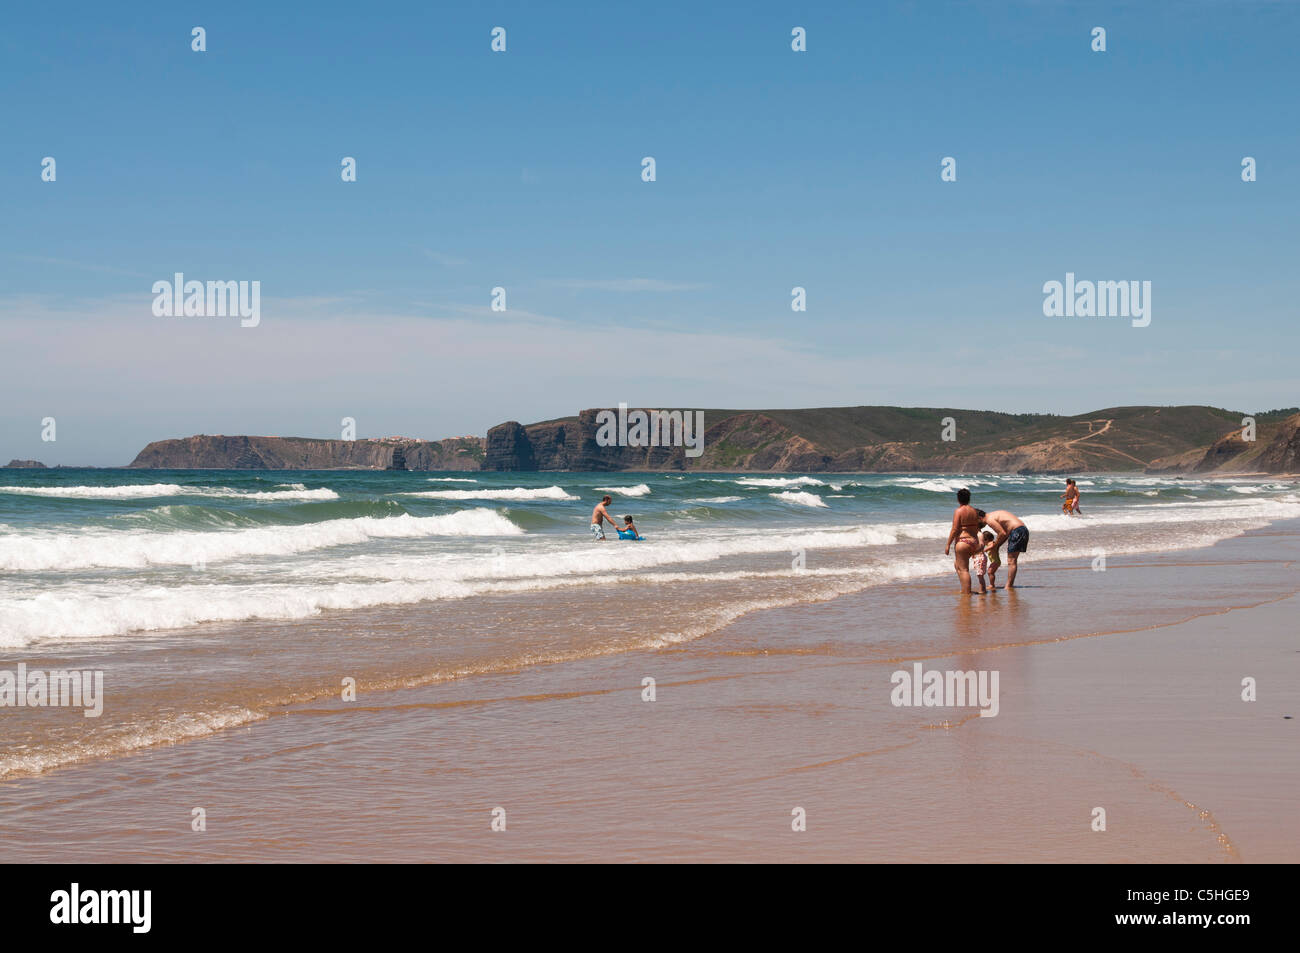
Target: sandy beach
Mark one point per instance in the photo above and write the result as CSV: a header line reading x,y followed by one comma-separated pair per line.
x,y
1131,705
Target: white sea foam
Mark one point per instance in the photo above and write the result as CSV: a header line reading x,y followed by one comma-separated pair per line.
x,y
141,491
779,481
302,493
802,499
129,492
715,499
451,480
114,549
938,485
80,612
639,490
167,728
517,493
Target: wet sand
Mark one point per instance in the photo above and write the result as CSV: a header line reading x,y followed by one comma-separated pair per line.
x,y
1118,689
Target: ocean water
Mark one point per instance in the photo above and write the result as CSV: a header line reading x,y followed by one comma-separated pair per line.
x,y
212,598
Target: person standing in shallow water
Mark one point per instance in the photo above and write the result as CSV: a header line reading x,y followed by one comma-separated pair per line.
x,y
1012,530
599,517
965,536
1071,497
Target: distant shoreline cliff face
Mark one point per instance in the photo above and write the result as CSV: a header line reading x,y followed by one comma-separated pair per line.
x,y
218,452
1282,453
570,445
1164,440
896,440
1275,449
756,442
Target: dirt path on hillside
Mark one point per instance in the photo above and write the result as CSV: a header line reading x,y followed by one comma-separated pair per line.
x,y
1097,433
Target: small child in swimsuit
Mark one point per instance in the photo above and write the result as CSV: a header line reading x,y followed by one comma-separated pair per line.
x,y
628,529
979,566
992,561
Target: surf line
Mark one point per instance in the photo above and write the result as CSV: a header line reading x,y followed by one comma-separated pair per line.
x,y
654,428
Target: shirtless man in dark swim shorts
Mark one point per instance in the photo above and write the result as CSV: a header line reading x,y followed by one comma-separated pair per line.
x,y
599,517
1013,531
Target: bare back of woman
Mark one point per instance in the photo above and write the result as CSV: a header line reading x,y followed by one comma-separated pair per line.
x,y
965,538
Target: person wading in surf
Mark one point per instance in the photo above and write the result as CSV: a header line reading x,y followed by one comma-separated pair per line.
x,y
599,515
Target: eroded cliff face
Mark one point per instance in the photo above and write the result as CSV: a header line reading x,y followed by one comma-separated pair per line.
x,y
220,452
570,445
1282,454
1222,453
757,442
507,447
1277,451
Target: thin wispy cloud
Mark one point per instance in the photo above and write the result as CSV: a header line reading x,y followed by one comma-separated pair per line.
x,y
626,284
485,313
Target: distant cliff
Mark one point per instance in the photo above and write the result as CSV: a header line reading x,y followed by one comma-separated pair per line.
x,y
220,452
25,465
1171,440
570,444
1282,453
900,439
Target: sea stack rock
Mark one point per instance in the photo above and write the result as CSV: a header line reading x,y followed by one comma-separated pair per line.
x,y
508,448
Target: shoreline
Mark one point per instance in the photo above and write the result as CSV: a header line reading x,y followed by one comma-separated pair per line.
x,y
793,675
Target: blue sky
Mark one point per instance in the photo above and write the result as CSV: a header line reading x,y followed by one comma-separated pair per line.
x,y
522,169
